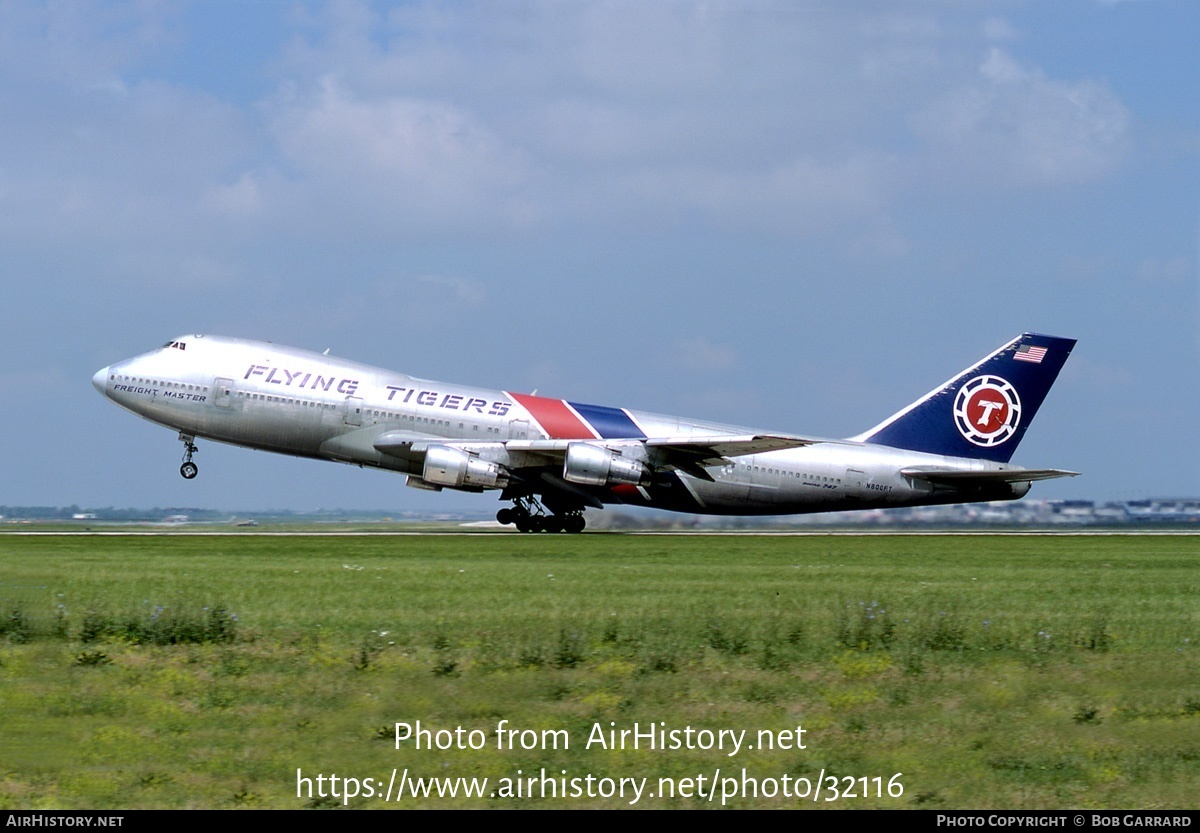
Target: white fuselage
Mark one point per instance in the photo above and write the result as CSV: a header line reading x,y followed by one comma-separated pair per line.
x,y
297,402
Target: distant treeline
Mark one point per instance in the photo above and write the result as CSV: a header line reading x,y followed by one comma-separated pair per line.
x,y
1181,512
157,513
108,513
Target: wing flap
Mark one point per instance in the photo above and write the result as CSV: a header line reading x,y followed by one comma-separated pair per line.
x,y
691,454
727,445
686,453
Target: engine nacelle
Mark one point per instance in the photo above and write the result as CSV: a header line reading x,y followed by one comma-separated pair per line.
x,y
592,465
453,467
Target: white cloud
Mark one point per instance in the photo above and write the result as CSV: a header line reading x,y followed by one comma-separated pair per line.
x,y
80,46
789,120
242,198
611,115
803,196
406,138
1013,126
400,158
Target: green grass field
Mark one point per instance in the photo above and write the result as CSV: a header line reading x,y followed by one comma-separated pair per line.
x,y
961,671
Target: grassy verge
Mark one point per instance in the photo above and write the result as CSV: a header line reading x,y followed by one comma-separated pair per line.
x,y
989,671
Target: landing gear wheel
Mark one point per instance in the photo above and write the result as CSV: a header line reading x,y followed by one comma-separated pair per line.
x,y
529,515
188,469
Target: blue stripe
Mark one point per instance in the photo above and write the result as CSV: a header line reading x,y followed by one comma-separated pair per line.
x,y
609,423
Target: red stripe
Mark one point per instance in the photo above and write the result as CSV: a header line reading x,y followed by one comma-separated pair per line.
x,y
556,419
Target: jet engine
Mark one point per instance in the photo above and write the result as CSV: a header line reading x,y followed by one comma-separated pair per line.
x,y
593,465
453,467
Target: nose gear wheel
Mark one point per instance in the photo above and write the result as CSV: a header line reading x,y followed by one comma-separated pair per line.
x,y
189,469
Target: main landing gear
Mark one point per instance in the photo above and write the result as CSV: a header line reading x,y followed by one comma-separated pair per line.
x,y
527,515
188,469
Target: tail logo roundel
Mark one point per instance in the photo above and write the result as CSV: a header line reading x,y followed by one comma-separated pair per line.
x,y
987,411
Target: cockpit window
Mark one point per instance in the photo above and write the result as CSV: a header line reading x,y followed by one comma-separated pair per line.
x,y
178,345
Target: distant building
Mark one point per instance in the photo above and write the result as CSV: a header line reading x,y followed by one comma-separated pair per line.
x,y
1164,509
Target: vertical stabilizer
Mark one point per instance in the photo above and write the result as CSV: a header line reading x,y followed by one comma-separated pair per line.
x,y
982,412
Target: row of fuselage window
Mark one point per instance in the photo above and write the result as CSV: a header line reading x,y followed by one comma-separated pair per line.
x,y
815,479
388,416
368,413
137,380
304,403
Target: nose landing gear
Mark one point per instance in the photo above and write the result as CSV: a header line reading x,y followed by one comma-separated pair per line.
x,y
527,515
189,469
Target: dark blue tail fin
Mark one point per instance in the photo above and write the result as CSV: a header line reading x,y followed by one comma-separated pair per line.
x,y
982,412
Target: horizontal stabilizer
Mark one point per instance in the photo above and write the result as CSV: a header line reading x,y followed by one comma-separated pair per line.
x,y
982,478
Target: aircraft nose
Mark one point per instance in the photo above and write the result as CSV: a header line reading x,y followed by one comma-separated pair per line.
x,y
100,379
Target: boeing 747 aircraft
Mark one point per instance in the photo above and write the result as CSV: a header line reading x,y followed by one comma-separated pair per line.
x,y
554,458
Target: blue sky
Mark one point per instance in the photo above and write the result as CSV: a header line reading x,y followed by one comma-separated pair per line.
x,y
795,216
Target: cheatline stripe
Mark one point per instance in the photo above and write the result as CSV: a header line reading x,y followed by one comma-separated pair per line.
x,y
609,423
555,417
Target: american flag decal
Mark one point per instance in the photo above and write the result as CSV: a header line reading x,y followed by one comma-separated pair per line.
x,y
1029,353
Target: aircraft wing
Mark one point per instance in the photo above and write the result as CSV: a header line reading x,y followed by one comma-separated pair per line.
x,y
688,453
951,477
713,447
728,446
723,445
692,454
